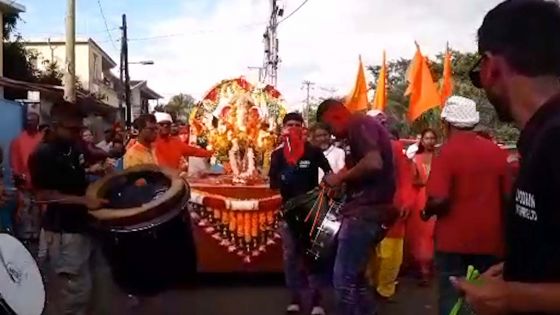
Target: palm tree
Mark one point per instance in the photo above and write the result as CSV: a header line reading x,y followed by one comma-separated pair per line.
x,y
180,106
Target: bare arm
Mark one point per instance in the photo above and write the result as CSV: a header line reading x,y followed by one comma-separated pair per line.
x,y
53,196
371,162
534,297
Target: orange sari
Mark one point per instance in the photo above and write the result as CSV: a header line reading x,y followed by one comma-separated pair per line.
x,y
420,234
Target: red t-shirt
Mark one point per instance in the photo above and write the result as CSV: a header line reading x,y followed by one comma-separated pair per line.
x,y
472,172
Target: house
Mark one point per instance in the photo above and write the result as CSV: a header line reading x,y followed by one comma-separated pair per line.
x,y
6,7
142,98
93,66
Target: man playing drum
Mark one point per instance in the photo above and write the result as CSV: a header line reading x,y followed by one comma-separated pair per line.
x,y
58,175
294,169
368,211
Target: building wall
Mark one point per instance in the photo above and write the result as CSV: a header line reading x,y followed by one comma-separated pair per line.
x,y
89,67
57,53
135,102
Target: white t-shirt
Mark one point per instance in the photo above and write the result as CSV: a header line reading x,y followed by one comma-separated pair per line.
x,y
336,157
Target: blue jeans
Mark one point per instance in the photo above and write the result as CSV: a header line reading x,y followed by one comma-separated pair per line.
x,y
298,277
452,264
355,240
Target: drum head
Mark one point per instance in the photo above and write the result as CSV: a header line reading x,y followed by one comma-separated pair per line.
x,y
137,195
21,284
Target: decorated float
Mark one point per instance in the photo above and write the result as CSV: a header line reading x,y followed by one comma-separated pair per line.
x,y
236,212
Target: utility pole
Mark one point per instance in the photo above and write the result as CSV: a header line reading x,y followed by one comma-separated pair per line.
x,y
70,75
307,85
124,71
260,69
270,37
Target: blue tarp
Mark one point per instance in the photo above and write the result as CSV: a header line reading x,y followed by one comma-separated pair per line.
x,y
11,122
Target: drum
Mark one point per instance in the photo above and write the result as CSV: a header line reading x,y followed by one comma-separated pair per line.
x,y
295,212
315,221
145,229
22,291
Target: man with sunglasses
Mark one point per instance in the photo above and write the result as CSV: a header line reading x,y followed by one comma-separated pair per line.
x,y
169,150
519,42
58,176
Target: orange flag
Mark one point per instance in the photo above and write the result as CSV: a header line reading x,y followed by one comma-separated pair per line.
x,y
358,100
380,99
422,90
447,85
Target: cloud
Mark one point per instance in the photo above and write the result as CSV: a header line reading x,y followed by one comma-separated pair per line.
x,y
198,46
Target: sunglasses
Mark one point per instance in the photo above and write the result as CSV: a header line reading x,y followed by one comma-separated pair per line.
x,y
474,72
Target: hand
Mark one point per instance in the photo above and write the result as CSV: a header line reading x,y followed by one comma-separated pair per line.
x,y
333,180
94,203
495,271
487,295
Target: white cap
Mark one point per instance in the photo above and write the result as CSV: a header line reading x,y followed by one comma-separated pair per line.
x,y
163,117
378,115
460,112
374,113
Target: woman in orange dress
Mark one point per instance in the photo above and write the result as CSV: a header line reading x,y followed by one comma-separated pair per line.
x,y
420,234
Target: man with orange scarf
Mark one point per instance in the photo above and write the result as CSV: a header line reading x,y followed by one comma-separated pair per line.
x,y
294,169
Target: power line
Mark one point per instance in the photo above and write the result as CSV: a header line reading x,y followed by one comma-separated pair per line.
x,y
170,35
106,25
294,12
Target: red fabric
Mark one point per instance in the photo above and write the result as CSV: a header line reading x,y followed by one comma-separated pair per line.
x,y
404,194
295,149
20,150
420,234
170,151
472,172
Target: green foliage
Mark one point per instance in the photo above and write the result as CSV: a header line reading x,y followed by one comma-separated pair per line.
x,y
397,106
179,106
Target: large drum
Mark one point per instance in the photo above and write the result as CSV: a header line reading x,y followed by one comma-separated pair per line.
x,y
21,286
145,230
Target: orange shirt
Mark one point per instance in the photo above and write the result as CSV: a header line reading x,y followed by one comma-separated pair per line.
x,y
20,150
471,172
404,194
170,151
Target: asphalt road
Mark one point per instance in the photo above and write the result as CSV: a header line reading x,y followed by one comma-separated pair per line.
x,y
232,297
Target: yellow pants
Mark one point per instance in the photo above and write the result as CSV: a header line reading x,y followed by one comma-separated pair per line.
x,y
385,265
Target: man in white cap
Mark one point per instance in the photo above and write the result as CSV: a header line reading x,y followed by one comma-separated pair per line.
x,y
467,189
170,151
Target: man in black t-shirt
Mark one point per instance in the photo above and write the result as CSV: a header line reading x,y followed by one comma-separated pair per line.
x,y
519,44
59,178
294,169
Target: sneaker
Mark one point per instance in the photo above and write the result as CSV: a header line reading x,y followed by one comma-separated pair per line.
x,y
318,310
293,309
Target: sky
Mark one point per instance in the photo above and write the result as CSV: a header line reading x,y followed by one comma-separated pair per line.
x,y
197,43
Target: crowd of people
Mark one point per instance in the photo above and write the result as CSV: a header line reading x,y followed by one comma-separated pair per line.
x,y
436,208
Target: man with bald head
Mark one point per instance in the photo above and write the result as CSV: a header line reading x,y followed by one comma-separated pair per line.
x,y
20,150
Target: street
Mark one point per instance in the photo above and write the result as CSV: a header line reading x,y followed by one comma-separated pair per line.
x,y
258,296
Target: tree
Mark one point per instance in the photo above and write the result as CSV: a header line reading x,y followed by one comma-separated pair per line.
x,y
179,106
18,63
397,106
